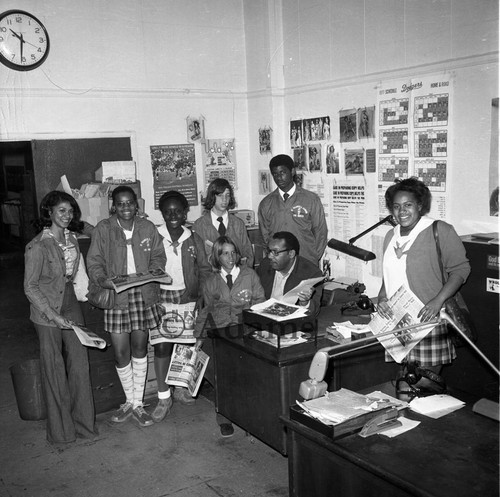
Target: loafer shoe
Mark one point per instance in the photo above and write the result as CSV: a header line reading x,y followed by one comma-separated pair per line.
x,y
226,430
122,413
162,409
182,396
142,417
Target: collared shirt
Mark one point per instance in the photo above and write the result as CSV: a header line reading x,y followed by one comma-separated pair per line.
x,y
290,192
225,219
280,281
68,248
131,269
234,273
174,259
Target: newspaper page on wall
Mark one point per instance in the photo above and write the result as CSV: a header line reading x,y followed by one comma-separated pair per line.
x,y
187,368
177,324
405,307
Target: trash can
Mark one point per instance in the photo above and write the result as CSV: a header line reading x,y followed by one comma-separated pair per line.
x,y
27,380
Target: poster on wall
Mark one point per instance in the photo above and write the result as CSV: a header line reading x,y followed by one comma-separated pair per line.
x,y
347,125
265,140
414,133
219,161
353,161
366,126
296,139
314,157
195,127
299,159
316,129
174,168
264,182
332,160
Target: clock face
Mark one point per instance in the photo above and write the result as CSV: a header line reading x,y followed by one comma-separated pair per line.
x,y
24,41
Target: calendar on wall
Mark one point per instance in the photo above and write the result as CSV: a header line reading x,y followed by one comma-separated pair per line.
x,y
413,135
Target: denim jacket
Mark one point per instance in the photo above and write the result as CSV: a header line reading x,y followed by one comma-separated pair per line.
x,y
45,277
107,256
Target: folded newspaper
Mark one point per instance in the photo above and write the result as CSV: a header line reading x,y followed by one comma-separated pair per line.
x,y
177,324
89,338
405,306
187,368
279,311
121,283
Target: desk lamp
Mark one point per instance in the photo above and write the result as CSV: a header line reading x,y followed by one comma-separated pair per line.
x,y
352,250
315,386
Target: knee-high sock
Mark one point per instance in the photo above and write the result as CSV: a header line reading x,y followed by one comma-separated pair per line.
x,y
140,368
126,378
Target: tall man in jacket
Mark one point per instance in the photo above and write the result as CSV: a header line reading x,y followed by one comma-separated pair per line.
x,y
294,209
283,269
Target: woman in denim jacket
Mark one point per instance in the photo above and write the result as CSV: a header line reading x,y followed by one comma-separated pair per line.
x,y
128,244
51,263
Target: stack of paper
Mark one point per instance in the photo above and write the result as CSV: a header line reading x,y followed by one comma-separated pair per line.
x,y
337,407
436,406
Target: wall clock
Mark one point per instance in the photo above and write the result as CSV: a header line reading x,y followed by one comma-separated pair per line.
x,y
24,41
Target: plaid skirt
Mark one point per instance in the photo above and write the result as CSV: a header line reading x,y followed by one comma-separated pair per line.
x,y
137,317
435,349
171,296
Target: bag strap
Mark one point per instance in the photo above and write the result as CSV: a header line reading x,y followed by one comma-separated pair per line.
x,y
438,248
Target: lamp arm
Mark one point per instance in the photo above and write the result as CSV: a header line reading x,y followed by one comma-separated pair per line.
x,y
444,315
371,228
319,363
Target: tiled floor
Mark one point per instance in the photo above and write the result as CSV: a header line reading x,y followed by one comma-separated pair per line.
x,y
184,456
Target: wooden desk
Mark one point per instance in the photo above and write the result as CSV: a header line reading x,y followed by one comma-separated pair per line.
x,y
456,455
255,383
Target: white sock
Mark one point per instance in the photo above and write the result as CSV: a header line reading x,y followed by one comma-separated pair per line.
x,y
164,395
140,369
126,378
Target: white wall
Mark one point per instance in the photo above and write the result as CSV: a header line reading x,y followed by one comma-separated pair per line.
x,y
138,69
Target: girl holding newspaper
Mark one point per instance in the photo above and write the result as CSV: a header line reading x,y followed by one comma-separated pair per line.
x,y
128,244
188,266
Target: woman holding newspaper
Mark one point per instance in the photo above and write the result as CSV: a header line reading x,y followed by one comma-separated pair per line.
x,y
411,259
188,266
128,244
51,264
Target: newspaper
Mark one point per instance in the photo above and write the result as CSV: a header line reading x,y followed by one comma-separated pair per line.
x,y
279,311
177,324
187,368
405,307
89,338
121,283
292,296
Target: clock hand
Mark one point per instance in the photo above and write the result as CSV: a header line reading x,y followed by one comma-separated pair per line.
x,y
15,34
21,39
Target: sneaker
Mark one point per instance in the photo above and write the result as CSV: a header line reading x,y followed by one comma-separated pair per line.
x,y
122,413
142,417
162,409
182,396
226,430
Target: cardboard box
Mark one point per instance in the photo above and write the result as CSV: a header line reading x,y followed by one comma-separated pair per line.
x,y
94,209
116,172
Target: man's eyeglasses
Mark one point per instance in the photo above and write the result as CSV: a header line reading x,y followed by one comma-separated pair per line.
x,y
275,253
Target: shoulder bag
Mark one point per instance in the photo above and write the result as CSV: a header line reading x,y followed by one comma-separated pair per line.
x,y
455,306
102,298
